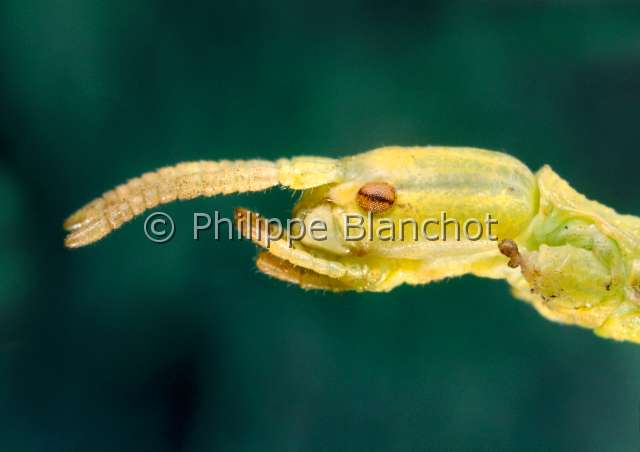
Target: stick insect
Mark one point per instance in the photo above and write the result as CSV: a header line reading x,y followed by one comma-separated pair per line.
x,y
575,260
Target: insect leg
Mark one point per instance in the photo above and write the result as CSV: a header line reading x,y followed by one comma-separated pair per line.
x,y
307,279
255,228
575,276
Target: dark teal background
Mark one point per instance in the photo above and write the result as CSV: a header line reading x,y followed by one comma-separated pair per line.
x,y
132,346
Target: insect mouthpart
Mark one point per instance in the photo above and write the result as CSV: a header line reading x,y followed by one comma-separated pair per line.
x,y
322,230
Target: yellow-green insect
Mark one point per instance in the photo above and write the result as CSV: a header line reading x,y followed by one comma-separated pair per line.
x,y
575,260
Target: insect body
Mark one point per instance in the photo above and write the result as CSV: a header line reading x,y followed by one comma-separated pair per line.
x,y
575,260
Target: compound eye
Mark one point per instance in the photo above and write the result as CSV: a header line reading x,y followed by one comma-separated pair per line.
x,y
376,197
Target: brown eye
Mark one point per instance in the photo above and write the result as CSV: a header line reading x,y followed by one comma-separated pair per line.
x,y
376,197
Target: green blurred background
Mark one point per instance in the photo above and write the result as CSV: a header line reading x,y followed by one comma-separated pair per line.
x,y
133,346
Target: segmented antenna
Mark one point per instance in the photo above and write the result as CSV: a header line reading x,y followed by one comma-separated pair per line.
x,y
183,181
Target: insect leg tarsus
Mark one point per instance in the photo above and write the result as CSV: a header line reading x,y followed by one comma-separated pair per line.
x,y
283,270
